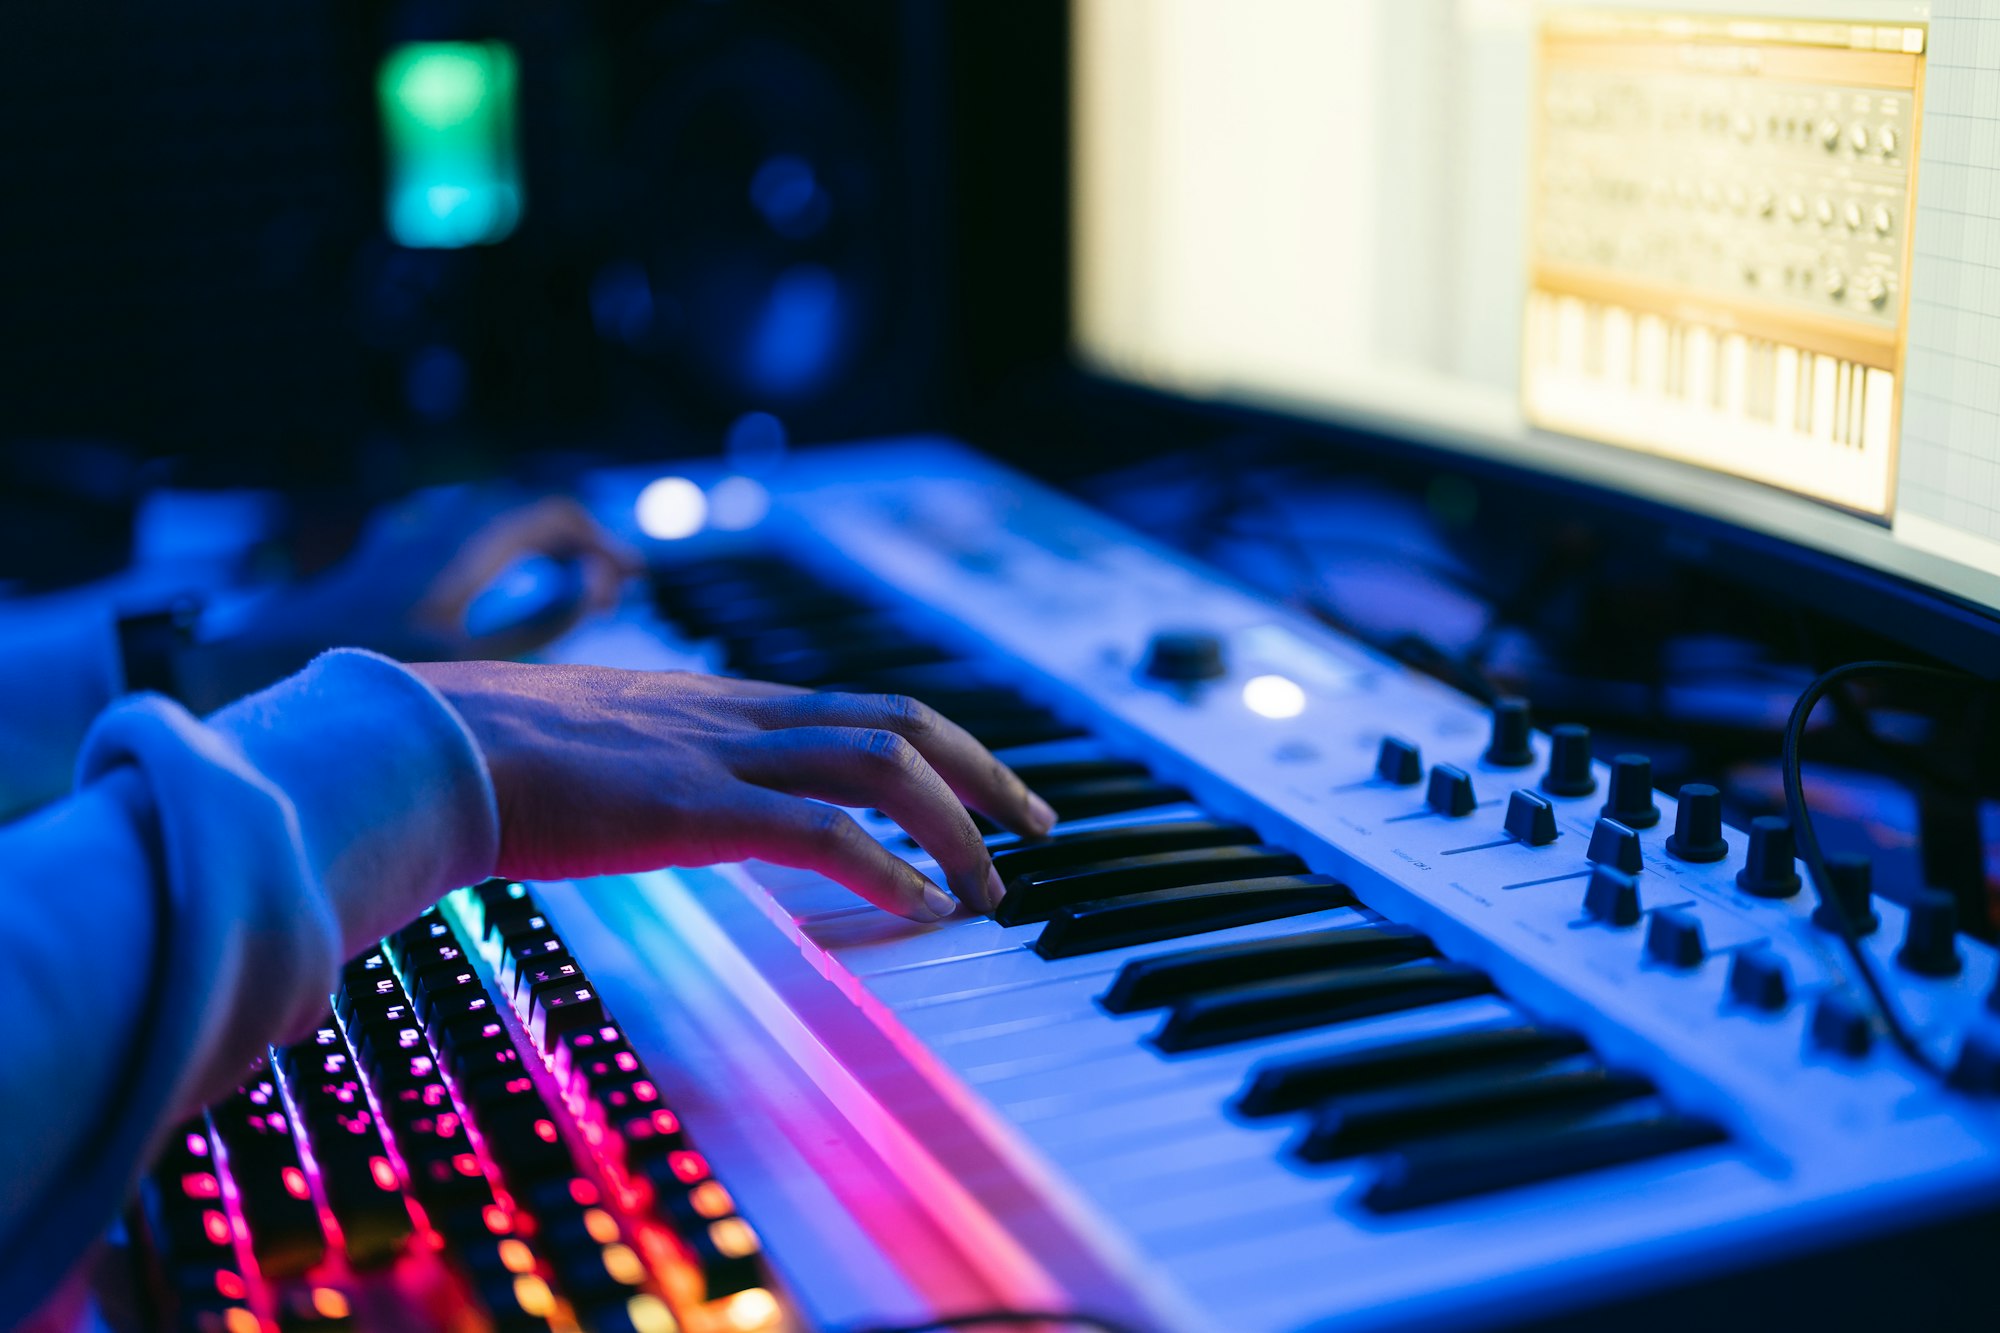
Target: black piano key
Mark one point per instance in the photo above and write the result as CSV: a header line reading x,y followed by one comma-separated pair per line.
x,y
1006,733
1464,1166
1090,845
1167,914
812,665
1316,999
1291,1085
1363,1122
1035,897
1109,796
1064,771
1149,983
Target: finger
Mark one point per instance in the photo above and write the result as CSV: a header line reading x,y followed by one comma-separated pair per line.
x,y
556,526
879,768
793,832
980,781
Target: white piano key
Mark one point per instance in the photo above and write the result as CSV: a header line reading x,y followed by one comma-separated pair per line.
x,y
1618,365
1785,390
1698,355
1736,375
1651,351
1570,335
1823,398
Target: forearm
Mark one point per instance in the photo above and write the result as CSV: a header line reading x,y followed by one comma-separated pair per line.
x,y
192,902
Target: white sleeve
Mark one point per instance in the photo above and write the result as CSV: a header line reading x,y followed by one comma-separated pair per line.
x,y
191,903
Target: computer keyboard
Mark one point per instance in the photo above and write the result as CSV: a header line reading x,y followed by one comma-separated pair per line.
x,y
467,1140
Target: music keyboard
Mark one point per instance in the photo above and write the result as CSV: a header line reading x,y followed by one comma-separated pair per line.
x,y
1493,1108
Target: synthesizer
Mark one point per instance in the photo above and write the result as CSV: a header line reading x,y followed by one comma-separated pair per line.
x,y
1337,1000
1334,1000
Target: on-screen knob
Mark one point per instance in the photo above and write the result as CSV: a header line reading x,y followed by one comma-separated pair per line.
x,y
1450,791
1930,942
1569,772
1612,897
1531,819
1850,879
1185,656
1674,939
1770,870
1509,746
1631,802
1759,979
1697,834
1612,844
1399,761
1841,1026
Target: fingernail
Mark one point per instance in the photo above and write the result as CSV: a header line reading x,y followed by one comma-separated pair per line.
x,y
1043,812
995,890
939,901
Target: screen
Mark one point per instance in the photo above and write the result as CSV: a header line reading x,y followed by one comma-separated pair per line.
x,y
1743,259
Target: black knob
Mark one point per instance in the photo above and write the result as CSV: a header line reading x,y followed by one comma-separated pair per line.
x,y
1631,802
1531,819
1930,943
1841,1026
1450,792
1510,747
1613,897
1614,845
1697,834
1769,871
1759,979
1569,762
1849,879
1977,1069
1399,761
1185,656
1673,939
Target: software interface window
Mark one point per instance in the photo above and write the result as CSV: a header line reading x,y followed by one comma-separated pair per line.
x,y
1753,240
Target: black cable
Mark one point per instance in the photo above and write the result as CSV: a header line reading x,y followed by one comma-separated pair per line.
x,y
976,1318
1808,840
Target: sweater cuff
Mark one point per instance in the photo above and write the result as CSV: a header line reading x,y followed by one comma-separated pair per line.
x,y
395,806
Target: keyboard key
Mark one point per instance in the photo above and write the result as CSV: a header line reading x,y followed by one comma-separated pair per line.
x,y
1147,918
1109,796
1091,845
1460,1167
1149,983
1035,897
1366,1121
1317,999
1291,1085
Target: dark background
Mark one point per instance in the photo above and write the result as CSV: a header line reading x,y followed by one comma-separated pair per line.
x,y
196,290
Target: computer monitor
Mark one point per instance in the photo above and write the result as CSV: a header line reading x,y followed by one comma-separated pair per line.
x,y
1740,259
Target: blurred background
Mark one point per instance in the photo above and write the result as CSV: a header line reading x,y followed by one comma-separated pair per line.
x,y
331,252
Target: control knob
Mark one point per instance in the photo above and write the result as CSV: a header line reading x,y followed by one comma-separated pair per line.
x,y
1569,762
1930,941
1631,802
1185,656
1697,834
1509,746
1769,870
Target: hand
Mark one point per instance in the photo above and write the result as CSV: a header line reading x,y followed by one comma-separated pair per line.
x,y
599,771
406,588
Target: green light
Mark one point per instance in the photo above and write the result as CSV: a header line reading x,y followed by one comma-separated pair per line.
x,y
448,127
